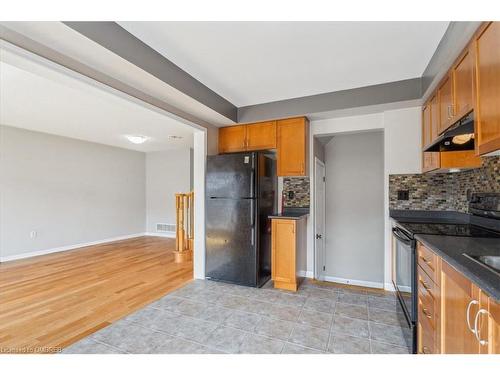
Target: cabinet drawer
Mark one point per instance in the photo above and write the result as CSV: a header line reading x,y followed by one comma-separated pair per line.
x,y
428,261
426,311
426,341
427,285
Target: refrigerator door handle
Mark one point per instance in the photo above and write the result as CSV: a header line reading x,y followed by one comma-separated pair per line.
x,y
252,178
252,213
252,219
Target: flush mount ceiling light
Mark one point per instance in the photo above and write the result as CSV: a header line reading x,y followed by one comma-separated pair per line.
x,y
175,137
137,139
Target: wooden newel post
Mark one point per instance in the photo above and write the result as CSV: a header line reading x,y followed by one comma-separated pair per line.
x,y
184,227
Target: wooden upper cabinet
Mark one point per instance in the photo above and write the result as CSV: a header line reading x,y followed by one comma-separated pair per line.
x,y
463,83
426,126
434,117
487,43
292,139
430,160
445,99
261,136
458,297
232,139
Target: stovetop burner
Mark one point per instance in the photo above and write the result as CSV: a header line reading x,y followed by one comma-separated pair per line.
x,y
459,230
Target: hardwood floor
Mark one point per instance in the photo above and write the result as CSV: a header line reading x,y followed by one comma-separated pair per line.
x,y
51,301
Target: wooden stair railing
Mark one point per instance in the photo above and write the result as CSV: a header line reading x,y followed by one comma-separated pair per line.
x,y
184,234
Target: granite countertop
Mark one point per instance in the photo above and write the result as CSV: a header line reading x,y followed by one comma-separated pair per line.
x,y
291,213
452,248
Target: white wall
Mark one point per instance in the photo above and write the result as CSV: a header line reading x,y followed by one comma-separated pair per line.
x,y
167,173
402,140
68,191
354,232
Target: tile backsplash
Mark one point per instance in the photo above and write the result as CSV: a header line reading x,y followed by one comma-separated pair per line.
x,y
300,188
444,191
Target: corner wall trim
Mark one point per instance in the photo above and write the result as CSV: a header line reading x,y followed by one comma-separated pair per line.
x,y
308,274
68,247
365,283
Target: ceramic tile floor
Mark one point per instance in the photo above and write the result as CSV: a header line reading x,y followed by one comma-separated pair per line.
x,y
213,317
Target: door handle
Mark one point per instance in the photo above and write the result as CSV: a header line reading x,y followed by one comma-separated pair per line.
x,y
319,236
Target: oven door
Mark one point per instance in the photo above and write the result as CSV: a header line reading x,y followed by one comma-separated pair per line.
x,y
404,273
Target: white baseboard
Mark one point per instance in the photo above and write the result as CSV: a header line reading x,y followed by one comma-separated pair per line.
x,y
66,248
368,284
308,274
162,234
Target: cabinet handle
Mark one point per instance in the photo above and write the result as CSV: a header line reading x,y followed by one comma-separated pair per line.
x,y
476,329
426,313
452,110
428,262
425,350
424,284
467,313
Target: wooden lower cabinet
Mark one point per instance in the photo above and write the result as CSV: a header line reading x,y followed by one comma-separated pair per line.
x,y
459,304
287,240
493,327
454,315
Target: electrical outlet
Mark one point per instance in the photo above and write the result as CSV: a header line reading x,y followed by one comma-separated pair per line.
x,y
403,195
33,234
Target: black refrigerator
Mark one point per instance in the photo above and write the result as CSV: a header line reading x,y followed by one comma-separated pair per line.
x,y
240,195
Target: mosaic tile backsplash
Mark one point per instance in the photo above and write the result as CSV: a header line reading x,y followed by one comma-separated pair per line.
x,y
300,187
444,191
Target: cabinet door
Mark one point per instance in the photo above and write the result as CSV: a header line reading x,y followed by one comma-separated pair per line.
x,y
430,160
430,120
232,139
463,79
445,100
494,327
283,251
426,125
261,136
488,88
458,296
434,117
292,146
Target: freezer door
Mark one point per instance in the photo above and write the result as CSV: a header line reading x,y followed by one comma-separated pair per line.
x,y
231,176
230,241
267,187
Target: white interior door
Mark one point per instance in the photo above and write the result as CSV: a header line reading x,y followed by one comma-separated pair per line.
x,y
319,219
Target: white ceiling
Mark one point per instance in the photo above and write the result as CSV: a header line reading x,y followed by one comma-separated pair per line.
x,y
36,97
257,62
68,42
